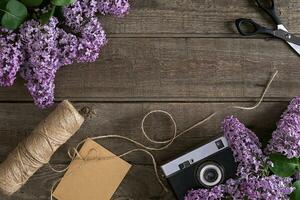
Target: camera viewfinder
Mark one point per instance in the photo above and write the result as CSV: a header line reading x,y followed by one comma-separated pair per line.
x,y
219,144
184,164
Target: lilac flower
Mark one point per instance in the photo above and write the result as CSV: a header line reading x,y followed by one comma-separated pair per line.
x,y
76,14
118,8
73,15
47,48
245,146
286,138
41,89
11,57
233,189
261,188
92,39
215,193
42,60
294,106
89,8
253,188
41,45
67,45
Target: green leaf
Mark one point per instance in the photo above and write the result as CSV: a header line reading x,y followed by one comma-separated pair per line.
x,y
283,166
3,4
44,18
296,194
2,7
32,3
14,14
62,2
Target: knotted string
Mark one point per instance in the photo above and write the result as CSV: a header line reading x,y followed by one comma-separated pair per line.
x,y
165,143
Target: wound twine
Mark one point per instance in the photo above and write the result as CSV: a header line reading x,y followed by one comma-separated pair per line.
x,y
36,150
165,143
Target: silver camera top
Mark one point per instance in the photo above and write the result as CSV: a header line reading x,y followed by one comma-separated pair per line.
x,y
194,156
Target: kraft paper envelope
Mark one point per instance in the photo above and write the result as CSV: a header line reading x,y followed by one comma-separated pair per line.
x,y
92,179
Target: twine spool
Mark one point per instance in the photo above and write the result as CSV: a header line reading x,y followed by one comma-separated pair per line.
x,y
37,149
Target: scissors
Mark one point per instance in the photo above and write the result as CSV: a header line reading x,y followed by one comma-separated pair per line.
x,y
248,27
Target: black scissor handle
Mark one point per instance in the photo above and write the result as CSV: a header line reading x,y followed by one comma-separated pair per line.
x,y
248,27
269,7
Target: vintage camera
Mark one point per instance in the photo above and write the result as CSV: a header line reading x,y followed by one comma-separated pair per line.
x,y
204,167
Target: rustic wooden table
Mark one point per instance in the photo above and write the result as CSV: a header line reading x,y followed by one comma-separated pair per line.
x,y
182,56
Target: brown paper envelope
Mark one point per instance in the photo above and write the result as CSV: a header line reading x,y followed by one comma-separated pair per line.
x,y
92,179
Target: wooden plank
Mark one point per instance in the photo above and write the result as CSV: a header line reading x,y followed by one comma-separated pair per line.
x,y
177,69
17,121
202,18
39,186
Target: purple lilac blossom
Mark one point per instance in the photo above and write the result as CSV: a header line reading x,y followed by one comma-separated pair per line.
x,y
47,49
41,89
286,138
76,14
11,57
118,8
253,188
92,39
294,106
41,46
233,189
42,60
68,48
73,15
245,146
261,188
215,193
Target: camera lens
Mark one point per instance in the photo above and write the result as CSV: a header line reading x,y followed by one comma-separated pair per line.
x,y
210,174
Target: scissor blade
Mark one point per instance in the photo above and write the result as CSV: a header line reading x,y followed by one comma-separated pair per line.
x,y
293,45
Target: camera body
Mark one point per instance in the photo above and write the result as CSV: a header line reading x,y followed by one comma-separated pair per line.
x,y
203,167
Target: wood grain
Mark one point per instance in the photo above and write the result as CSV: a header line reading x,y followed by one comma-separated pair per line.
x,y
182,56
39,186
177,69
17,121
195,18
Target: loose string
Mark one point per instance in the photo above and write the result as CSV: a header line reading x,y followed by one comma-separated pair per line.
x,y
146,149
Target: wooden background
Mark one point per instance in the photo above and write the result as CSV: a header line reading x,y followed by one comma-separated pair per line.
x,y
182,56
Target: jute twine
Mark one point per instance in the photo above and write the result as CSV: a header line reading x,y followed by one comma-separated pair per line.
x,y
74,153
37,149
